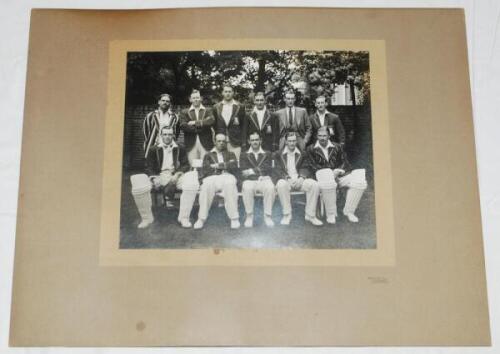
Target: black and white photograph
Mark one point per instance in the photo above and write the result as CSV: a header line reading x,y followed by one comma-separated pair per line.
x,y
248,150
226,177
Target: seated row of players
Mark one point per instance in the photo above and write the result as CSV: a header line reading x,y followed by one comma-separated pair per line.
x,y
319,170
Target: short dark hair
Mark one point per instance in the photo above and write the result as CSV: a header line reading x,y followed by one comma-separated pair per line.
x,y
165,95
260,93
291,133
255,133
219,133
193,92
166,127
290,92
324,129
227,84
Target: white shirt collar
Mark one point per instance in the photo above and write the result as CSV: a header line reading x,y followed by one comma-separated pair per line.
x,y
173,144
230,103
324,114
286,151
259,110
327,145
258,152
192,107
215,150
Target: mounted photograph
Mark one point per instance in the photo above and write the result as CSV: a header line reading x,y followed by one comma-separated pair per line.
x,y
260,149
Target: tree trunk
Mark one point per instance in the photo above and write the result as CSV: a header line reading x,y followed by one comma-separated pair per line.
x,y
261,75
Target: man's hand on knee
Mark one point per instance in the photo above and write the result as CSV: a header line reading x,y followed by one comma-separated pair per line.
x,y
156,182
338,172
176,177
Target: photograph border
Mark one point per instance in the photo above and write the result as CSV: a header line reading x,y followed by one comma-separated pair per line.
x,y
112,255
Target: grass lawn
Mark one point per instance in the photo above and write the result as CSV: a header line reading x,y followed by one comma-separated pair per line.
x,y
167,233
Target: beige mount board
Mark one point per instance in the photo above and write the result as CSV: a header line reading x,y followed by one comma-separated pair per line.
x,y
430,291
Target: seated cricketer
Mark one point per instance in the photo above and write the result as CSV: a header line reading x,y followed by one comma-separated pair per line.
x,y
256,170
329,164
219,171
166,169
292,172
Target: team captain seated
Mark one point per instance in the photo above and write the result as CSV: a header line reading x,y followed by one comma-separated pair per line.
x,y
328,162
220,167
167,169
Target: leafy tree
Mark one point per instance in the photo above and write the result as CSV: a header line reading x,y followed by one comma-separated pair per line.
x,y
273,72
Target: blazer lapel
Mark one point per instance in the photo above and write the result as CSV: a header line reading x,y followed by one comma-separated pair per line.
x,y
298,158
174,156
284,123
283,160
260,159
265,119
226,156
252,160
218,108
213,156
327,119
316,120
236,108
254,119
202,114
192,114
296,117
156,122
156,116
159,157
330,152
319,152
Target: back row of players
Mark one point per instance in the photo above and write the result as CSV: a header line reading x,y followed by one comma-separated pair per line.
x,y
268,152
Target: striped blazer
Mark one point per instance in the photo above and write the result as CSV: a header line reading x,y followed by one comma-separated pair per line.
x,y
151,129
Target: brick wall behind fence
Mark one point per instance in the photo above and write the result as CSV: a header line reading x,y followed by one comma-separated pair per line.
x,y
359,147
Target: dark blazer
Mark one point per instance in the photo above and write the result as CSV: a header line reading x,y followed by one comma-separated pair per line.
x,y
336,158
281,162
270,130
334,124
203,128
229,165
154,160
262,166
301,125
235,129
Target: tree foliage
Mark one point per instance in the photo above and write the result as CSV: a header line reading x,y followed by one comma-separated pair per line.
x,y
309,73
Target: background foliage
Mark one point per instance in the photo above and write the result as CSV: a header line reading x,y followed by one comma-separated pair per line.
x,y
309,73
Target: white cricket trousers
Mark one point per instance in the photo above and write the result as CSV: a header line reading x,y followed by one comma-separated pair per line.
x,y
212,184
355,182
264,186
309,186
141,190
